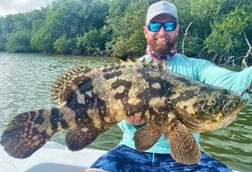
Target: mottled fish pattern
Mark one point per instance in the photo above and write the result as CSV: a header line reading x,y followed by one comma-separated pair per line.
x,y
90,100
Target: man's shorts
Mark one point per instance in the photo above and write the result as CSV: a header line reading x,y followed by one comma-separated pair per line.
x,y
125,159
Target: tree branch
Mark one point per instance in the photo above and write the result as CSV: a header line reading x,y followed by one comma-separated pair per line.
x,y
244,60
185,34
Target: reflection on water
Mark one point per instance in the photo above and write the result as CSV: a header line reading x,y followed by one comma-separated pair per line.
x,y
25,83
232,145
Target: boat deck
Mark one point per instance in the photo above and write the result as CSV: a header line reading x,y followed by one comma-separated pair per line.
x,y
50,158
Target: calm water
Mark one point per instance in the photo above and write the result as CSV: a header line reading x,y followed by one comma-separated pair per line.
x,y
25,83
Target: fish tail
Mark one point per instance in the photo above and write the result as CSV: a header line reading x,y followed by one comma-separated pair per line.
x,y
29,131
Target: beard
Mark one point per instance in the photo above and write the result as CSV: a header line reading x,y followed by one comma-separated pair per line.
x,y
161,48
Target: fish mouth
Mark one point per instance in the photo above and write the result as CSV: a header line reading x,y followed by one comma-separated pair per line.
x,y
228,115
220,120
232,107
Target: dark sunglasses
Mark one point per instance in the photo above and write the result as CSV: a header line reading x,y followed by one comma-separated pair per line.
x,y
168,26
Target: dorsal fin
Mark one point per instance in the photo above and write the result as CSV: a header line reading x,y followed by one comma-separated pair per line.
x,y
161,66
148,63
65,82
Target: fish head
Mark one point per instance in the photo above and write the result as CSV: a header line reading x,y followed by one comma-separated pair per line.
x,y
231,109
228,113
211,111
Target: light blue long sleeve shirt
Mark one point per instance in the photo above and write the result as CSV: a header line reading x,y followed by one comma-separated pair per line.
x,y
197,69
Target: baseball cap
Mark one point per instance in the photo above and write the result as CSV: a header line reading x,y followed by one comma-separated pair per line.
x,y
161,7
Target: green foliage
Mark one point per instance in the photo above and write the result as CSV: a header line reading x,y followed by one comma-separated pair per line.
x,y
206,9
93,40
18,42
62,45
117,8
6,26
227,34
208,28
217,27
128,31
69,20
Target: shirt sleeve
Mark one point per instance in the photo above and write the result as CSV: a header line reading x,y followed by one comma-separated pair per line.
x,y
209,73
236,81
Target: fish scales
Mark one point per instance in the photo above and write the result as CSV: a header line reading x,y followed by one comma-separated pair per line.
x,y
90,100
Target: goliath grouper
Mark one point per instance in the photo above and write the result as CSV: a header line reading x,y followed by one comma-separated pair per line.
x,y
91,100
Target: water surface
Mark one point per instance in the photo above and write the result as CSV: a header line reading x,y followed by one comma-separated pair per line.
x,y
25,84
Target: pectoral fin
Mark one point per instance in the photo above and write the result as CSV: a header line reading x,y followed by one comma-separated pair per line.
x,y
81,137
146,137
184,149
194,124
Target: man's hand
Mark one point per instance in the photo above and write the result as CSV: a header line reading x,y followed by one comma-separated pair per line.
x,y
135,120
248,90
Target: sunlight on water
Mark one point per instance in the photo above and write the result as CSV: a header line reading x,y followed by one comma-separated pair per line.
x,y
25,83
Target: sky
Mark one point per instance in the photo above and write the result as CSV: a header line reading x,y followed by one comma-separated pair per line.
x,y
21,6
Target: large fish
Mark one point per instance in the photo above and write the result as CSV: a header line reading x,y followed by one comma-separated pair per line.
x,y
90,100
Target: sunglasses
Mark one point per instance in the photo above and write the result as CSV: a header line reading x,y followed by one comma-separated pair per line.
x,y
168,26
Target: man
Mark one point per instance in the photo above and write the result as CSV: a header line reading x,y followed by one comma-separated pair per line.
x,y
161,31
